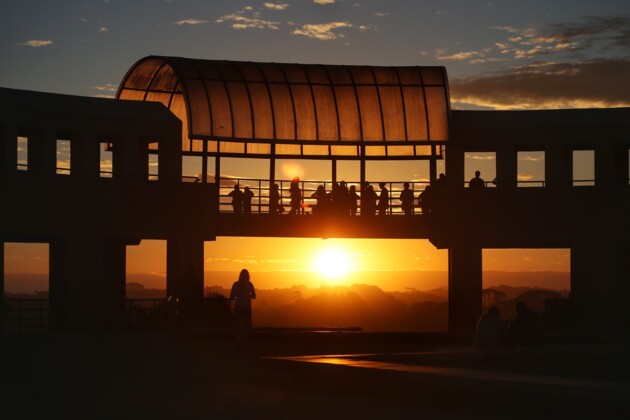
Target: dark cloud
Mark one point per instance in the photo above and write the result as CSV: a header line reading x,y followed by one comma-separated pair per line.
x,y
613,31
596,83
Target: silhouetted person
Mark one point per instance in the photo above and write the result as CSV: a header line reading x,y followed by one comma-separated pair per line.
x,y
425,200
243,291
525,329
406,200
247,200
322,200
440,182
477,181
368,201
274,200
383,200
237,199
490,329
343,198
353,199
296,196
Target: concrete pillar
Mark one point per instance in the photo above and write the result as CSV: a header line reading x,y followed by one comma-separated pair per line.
x,y
558,165
170,157
464,287
184,274
114,283
1,285
2,268
87,284
604,164
130,158
8,148
42,152
455,165
506,166
85,155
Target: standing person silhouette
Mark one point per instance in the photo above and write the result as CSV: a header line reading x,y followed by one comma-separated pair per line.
x,y
406,199
353,199
368,201
247,200
383,200
477,181
275,207
237,199
243,291
296,196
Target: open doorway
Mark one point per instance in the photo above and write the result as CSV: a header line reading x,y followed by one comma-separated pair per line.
x,y
145,288
534,276
26,287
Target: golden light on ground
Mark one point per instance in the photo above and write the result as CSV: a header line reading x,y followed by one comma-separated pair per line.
x,y
333,263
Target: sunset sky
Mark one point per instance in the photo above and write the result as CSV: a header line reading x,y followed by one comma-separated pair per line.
x,y
498,55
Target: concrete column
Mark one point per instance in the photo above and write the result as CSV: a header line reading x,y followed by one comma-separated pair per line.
x,y
130,158
506,166
170,157
2,268
42,152
599,277
558,165
604,164
8,148
113,283
464,287
184,274
455,165
58,285
2,285
85,155
87,284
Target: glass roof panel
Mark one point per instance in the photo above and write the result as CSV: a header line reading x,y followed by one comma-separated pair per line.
x,y
283,111
243,118
263,120
326,113
164,80
253,102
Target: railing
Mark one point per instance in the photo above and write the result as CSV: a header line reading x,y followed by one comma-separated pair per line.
x,y
150,314
25,315
261,189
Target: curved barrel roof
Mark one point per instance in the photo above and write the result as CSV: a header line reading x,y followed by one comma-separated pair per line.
x,y
309,110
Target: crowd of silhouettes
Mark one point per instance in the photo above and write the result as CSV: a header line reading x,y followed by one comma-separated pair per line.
x,y
345,200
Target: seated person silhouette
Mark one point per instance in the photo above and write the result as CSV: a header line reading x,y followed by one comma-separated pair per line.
x,y
490,329
525,329
477,181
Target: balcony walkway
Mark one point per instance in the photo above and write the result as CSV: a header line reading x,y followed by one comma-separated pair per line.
x,y
315,223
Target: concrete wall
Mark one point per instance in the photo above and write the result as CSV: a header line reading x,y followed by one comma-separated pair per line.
x,y
89,220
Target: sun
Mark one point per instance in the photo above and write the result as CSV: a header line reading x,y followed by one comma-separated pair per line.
x,y
333,263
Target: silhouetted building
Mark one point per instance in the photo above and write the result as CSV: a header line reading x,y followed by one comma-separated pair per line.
x,y
89,213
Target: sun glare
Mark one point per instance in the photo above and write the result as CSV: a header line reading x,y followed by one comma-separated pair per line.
x,y
333,263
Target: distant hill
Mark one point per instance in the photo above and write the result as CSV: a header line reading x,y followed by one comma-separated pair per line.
x,y
403,280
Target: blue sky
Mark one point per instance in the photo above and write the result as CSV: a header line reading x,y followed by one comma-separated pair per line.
x,y
499,54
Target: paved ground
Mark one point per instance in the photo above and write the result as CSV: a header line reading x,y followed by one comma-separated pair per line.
x,y
370,376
